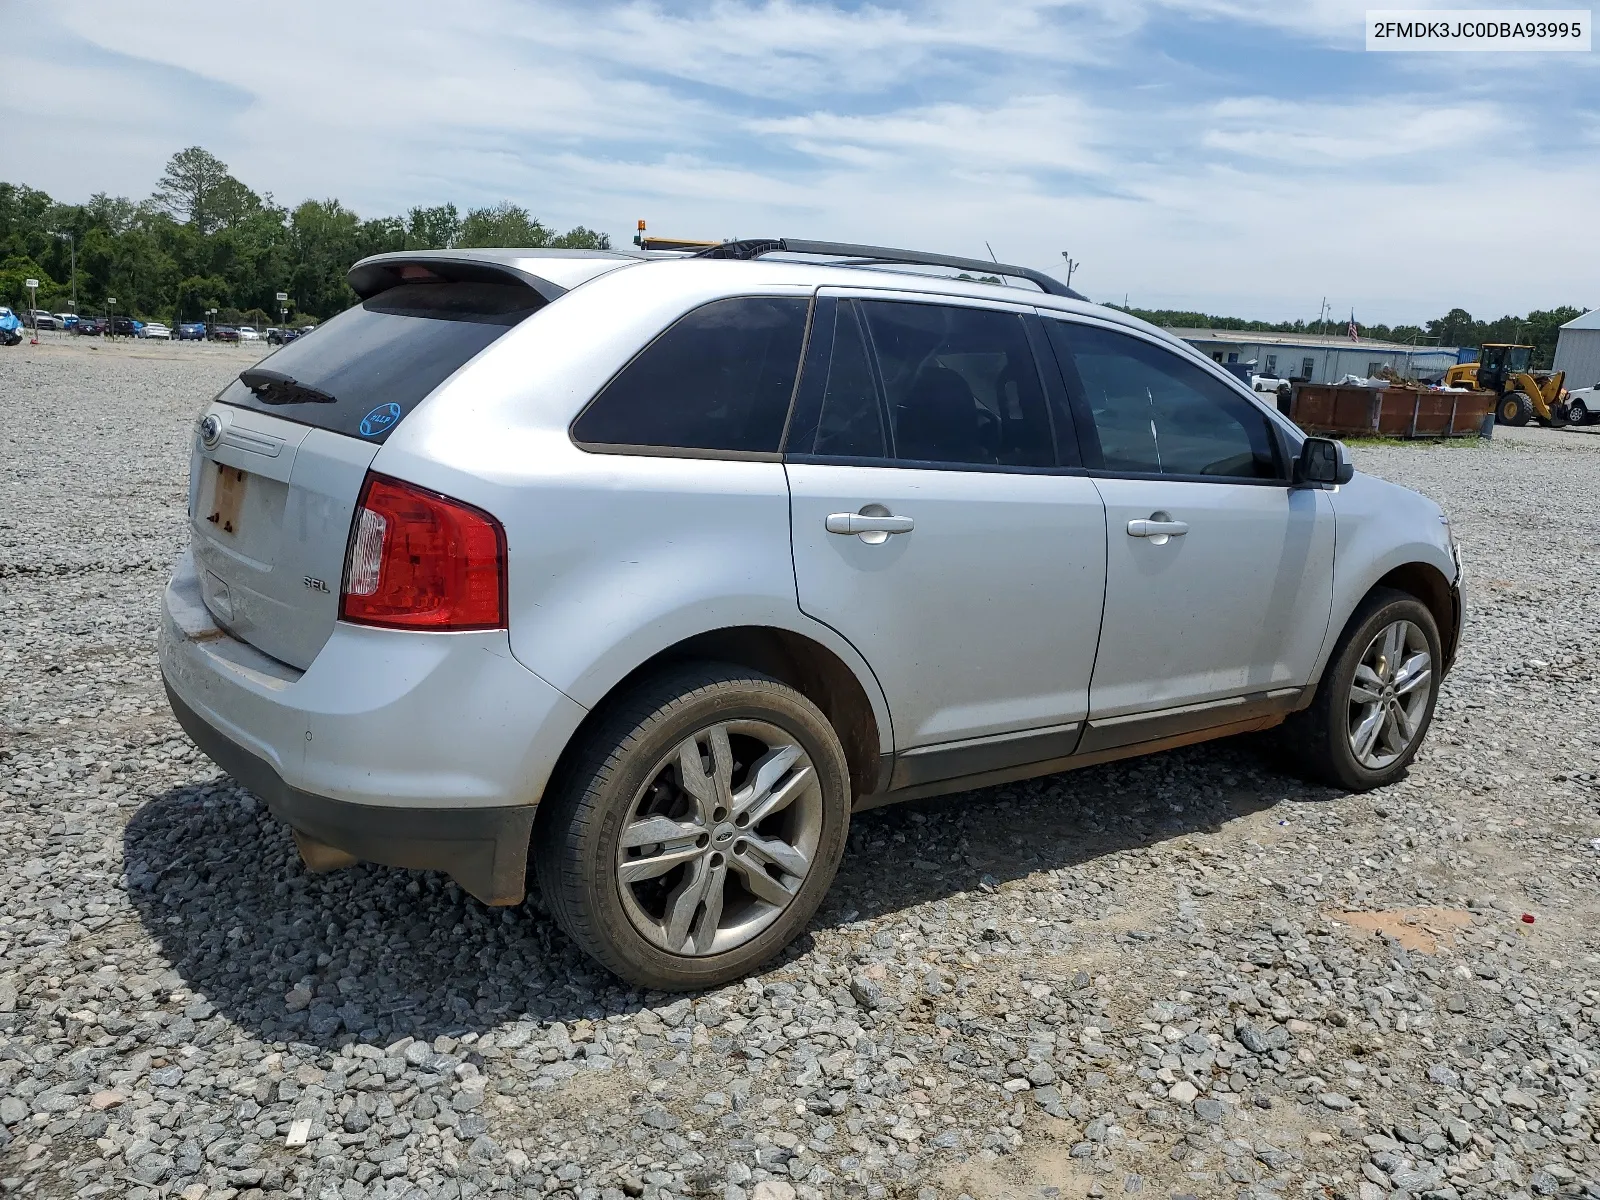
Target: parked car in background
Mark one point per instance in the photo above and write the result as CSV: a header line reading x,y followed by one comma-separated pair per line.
x,y
90,326
67,320
10,327
662,569
156,331
1268,383
247,334
40,319
1584,406
191,331
224,333
124,327
281,337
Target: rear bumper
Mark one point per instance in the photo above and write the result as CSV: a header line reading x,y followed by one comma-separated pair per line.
x,y
485,850
408,749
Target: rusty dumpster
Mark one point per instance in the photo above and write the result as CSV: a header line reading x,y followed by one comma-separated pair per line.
x,y
1398,412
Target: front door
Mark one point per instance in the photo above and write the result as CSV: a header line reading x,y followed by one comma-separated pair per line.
x,y
934,527
1219,576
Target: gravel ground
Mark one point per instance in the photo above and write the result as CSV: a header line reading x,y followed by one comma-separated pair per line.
x,y
1182,976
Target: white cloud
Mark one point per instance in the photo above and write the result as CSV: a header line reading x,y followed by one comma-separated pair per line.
x,y
1313,136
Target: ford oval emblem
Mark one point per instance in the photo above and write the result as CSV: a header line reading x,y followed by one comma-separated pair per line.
x,y
380,420
210,430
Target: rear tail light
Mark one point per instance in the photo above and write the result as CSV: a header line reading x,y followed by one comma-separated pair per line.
x,y
419,560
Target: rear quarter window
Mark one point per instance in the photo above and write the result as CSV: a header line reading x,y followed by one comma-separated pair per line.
x,y
365,370
718,379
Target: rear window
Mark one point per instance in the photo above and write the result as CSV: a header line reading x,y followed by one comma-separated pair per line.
x,y
719,379
363,371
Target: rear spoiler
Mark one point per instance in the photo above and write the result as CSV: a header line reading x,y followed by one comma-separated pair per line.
x,y
381,272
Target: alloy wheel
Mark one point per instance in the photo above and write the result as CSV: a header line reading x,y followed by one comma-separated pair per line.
x,y
720,838
1389,695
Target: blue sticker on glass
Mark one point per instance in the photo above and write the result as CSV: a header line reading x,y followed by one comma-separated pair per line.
x,y
380,419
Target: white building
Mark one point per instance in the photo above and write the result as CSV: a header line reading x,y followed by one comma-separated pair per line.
x,y
1578,350
1319,358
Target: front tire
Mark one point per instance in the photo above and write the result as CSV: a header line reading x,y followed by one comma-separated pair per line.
x,y
1515,409
1579,412
695,828
1376,699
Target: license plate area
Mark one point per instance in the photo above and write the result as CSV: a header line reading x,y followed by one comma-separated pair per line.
x,y
222,500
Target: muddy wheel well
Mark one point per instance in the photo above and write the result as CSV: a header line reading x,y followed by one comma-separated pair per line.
x,y
807,666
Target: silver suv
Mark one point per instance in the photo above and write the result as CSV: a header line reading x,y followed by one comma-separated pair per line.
x,y
653,570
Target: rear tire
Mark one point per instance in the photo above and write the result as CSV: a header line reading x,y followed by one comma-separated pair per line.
x,y
654,849
1515,409
1358,744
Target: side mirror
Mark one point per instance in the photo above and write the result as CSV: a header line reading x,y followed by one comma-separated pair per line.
x,y
1322,463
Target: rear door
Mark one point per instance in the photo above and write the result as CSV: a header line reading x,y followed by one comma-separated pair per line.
x,y
936,526
280,457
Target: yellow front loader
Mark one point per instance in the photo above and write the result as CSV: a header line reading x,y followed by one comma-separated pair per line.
x,y
1523,394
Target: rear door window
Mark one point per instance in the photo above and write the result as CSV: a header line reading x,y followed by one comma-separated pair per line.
x,y
363,372
923,384
719,378
960,385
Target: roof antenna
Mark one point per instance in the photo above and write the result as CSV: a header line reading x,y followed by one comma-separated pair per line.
x,y
990,249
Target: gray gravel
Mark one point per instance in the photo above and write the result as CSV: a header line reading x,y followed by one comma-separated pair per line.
x,y
1135,979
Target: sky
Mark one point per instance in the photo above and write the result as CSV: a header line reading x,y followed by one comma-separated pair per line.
x,y
1244,157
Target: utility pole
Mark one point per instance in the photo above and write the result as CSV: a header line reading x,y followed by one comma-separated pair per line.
x,y
1072,265
72,249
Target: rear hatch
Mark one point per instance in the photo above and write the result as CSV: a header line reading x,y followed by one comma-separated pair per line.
x,y
275,478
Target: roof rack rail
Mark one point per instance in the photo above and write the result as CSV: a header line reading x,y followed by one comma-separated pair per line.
x,y
657,243
749,248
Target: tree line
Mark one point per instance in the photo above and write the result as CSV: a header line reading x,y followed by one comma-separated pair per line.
x,y
205,240
1457,327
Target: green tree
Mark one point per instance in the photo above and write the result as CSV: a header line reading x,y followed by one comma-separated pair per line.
x,y
579,238
435,228
194,187
13,272
506,224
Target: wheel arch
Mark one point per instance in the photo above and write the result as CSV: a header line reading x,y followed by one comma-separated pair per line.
x,y
805,664
1414,577
1428,584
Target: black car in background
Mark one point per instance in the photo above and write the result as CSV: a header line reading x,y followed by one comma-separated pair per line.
x,y
90,326
281,337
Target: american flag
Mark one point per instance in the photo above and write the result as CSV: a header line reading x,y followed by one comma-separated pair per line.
x,y
1355,334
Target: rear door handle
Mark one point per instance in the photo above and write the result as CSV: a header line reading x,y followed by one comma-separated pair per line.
x,y
848,523
1151,528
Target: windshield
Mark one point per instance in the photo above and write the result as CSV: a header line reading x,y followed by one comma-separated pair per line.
x,y
1517,358
371,365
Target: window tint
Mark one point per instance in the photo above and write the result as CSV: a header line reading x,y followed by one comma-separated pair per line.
x,y
961,385
851,422
718,379
364,370
1154,412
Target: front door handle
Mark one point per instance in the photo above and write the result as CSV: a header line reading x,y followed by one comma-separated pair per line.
x,y
1159,527
848,523
1152,528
